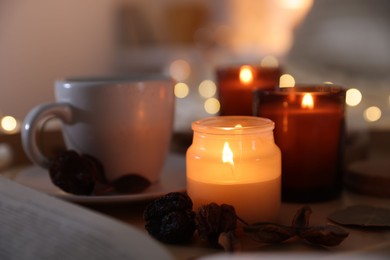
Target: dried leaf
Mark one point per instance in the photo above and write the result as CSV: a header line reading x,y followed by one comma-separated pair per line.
x,y
327,235
363,216
269,232
302,217
229,242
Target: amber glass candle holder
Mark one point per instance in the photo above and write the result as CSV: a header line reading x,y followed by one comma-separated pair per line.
x,y
236,84
310,131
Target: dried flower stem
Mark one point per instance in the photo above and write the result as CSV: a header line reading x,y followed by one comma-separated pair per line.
x,y
325,235
242,221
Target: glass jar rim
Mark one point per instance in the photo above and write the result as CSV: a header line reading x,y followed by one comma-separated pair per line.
x,y
233,125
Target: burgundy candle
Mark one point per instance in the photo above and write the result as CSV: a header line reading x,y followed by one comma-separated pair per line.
x,y
309,129
236,84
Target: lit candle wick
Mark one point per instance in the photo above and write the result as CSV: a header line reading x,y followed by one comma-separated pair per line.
x,y
227,154
246,75
307,101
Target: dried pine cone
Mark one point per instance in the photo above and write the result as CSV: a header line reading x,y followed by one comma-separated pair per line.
x,y
170,218
213,219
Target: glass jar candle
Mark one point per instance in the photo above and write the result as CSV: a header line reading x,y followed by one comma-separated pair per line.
x,y
234,160
236,83
310,131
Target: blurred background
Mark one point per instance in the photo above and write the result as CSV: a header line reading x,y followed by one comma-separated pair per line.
x,y
345,42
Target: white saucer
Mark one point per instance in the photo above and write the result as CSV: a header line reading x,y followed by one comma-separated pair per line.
x,y
173,178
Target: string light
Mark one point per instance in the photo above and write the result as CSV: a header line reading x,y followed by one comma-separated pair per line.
x,y
269,62
9,124
207,88
353,97
372,114
212,106
181,90
286,81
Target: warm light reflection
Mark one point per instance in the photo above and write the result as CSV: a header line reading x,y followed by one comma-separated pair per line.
x,y
246,75
207,88
238,126
297,4
372,114
269,62
180,70
353,97
181,90
9,124
286,81
328,83
307,101
227,154
212,106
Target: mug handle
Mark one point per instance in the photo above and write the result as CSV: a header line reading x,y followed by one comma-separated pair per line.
x,y
42,113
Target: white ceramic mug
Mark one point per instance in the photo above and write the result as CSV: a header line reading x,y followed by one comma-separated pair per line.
x,y
125,123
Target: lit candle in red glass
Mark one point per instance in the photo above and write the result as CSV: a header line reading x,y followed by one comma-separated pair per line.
x,y
309,129
237,83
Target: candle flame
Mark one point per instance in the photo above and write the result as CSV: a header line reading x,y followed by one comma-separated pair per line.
x,y
246,75
307,101
227,154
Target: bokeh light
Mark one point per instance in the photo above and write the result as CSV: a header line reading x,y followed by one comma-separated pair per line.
x,y
286,81
353,97
181,90
269,62
212,106
207,88
9,124
180,70
372,114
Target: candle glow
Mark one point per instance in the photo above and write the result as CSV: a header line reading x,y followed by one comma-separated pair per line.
x,y
250,181
307,101
235,85
227,154
246,75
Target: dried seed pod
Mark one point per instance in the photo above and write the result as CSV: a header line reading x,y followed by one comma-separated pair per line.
x,y
176,227
302,217
174,201
269,232
73,173
99,172
170,218
213,219
326,235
